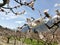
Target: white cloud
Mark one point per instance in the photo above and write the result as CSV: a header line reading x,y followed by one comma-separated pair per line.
x,y
1,1
2,18
19,22
10,17
23,1
56,5
7,18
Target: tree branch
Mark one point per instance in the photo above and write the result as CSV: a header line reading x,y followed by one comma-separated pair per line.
x,y
4,2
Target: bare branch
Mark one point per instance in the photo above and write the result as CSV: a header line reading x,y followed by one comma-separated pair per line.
x,y
4,3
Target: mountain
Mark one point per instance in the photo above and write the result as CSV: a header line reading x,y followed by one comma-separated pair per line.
x,y
8,32
5,31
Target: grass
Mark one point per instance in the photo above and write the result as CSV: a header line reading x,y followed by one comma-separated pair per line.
x,y
34,42
54,43
28,41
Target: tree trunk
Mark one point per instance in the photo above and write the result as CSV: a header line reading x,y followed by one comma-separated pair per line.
x,y
8,38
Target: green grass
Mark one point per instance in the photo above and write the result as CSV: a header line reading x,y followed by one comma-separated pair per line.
x,y
34,42
28,41
54,43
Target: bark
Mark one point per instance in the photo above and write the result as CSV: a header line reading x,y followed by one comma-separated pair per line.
x,y
8,38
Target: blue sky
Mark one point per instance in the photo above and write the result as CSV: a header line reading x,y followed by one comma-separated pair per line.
x,y
12,21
